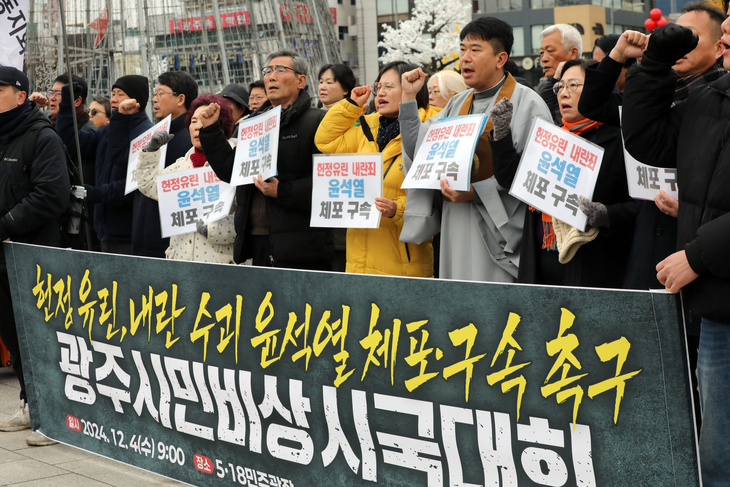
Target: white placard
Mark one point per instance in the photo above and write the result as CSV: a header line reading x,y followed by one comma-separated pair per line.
x,y
645,181
344,188
135,147
556,168
13,28
257,148
188,196
447,151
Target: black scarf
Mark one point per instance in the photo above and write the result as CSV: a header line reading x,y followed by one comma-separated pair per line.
x,y
689,83
389,129
10,119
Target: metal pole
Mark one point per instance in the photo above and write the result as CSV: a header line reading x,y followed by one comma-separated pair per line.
x,y
255,42
61,37
279,24
218,20
142,39
204,40
110,41
73,112
324,49
121,29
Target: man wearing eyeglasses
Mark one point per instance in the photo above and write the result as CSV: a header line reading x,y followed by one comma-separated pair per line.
x,y
52,98
272,218
173,95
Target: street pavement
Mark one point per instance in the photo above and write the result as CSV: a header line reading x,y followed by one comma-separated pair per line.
x,y
58,465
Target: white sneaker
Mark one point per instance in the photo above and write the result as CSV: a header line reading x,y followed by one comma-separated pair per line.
x,y
20,420
37,439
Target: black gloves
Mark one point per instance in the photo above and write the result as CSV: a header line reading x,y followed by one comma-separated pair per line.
x,y
667,45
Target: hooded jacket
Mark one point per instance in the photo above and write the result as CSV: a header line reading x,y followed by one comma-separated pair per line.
x,y
377,250
293,242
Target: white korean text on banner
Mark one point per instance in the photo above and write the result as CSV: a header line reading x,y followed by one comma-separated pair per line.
x,y
135,147
645,181
227,375
13,26
258,148
344,188
192,195
556,168
447,152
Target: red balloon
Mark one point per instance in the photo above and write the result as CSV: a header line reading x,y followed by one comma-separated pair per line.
x,y
649,24
655,14
661,22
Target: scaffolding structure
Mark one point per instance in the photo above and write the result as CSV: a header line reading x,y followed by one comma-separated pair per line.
x,y
149,37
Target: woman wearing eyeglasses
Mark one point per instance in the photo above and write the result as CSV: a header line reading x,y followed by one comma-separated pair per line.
x,y
378,251
553,252
443,86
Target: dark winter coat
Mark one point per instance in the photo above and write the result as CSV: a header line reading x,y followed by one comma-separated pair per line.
x,y
33,194
694,136
113,211
93,146
146,233
293,242
89,141
601,262
655,235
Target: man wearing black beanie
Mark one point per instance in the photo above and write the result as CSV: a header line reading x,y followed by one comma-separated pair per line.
x,y
135,86
113,209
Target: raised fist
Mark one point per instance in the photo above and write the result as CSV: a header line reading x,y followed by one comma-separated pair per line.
x,y
129,107
360,95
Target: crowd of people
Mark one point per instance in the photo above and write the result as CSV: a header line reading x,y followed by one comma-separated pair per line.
x,y
672,87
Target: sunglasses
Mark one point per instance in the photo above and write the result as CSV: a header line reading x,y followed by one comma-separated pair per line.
x,y
94,111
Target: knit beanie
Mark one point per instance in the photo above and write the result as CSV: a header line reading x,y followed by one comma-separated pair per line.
x,y
135,86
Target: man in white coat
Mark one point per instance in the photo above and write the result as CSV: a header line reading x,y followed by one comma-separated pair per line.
x,y
481,229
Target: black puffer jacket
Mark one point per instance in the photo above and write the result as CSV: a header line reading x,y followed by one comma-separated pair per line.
x,y
696,135
293,241
33,194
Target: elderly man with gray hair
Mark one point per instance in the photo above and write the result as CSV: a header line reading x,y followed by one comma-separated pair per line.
x,y
272,217
558,43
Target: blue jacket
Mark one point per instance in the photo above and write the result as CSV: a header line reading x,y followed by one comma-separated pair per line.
x,y
146,233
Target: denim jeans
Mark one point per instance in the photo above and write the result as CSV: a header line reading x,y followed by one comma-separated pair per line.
x,y
713,369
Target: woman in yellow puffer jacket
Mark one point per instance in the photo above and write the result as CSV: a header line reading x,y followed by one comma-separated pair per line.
x,y
378,251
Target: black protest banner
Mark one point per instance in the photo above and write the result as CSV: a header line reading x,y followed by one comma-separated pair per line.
x,y
220,375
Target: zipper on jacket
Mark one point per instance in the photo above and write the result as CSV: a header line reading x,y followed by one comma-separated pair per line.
x,y
408,253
